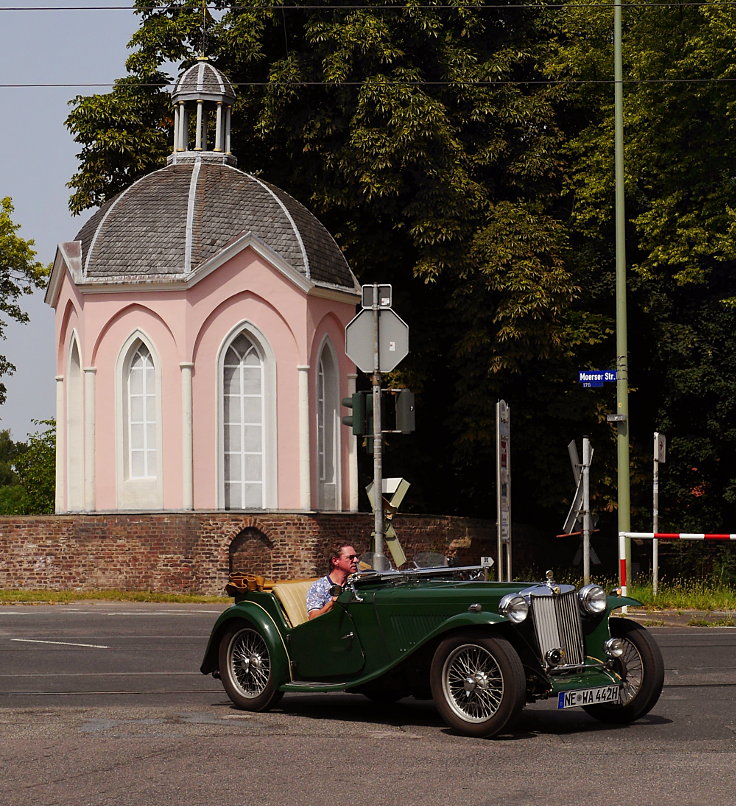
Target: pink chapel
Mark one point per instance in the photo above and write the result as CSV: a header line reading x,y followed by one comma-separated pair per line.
x,y
200,319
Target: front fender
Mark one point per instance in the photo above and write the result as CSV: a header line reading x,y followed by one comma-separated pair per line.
x,y
614,601
259,618
481,619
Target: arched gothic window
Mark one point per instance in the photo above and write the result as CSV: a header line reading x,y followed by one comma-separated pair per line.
x,y
74,431
141,415
243,425
328,429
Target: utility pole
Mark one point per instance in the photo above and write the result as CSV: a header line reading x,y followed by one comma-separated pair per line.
x,y
622,350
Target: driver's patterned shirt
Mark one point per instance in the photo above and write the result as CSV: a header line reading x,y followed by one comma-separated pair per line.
x,y
319,593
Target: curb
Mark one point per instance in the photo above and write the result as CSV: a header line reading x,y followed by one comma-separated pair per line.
x,y
682,618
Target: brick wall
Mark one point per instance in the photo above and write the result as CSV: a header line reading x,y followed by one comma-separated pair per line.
x,y
194,552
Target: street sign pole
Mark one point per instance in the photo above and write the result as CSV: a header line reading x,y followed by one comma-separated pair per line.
x,y
659,457
586,509
503,490
377,339
378,528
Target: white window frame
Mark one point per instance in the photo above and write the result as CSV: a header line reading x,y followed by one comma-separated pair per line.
x,y
149,452
74,422
327,416
269,496
143,492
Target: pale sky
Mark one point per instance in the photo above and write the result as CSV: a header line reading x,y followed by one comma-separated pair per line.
x,y
38,159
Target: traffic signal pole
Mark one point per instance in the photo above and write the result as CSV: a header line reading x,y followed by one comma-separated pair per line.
x,y
376,353
378,523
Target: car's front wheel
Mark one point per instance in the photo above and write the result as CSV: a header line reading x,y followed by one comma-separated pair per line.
x,y
478,684
246,669
641,669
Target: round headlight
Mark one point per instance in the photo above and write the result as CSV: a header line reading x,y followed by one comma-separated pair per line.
x,y
592,598
614,647
514,607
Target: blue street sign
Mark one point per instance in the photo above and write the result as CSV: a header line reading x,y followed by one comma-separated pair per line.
x,y
594,378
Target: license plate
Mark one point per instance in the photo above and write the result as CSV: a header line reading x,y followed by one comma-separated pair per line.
x,y
589,696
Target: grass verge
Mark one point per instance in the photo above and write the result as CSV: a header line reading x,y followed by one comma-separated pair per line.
x,y
686,594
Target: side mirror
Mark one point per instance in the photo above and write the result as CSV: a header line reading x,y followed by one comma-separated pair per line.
x,y
335,590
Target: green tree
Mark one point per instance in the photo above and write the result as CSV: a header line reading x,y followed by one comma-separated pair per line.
x,y
20,274
36,470
680,154
11,492
421,128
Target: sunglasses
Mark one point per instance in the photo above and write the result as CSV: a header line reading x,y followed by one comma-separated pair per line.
x,y
350,557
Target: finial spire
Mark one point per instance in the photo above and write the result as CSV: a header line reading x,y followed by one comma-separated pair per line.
x,y
203,42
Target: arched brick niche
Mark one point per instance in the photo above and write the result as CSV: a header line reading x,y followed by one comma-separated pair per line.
x,y
250,551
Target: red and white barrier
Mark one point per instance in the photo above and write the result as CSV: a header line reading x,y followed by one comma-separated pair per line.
x,y
624,536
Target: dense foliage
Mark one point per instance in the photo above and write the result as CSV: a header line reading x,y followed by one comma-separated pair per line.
x,y
474,144
28,472
20,273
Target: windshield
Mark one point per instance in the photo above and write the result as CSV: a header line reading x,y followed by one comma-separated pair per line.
x,y
370,561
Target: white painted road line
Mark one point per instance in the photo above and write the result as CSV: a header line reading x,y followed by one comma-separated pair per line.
x,y
58,643
162,613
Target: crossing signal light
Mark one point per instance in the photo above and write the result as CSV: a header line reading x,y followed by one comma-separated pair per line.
x,y
405,421
361,419
397,411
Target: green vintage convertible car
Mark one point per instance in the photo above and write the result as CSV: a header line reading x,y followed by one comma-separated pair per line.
x,y
480,649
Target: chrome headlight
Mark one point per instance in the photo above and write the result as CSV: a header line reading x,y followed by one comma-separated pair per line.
x,y
614,647
514,607
592,598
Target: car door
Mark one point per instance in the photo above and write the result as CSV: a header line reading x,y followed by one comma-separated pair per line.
x,y
327,647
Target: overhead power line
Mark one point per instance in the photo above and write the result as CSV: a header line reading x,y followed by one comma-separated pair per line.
x,y
397,83
378,6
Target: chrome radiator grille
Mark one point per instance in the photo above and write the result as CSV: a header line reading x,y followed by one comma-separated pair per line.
x,y
557,626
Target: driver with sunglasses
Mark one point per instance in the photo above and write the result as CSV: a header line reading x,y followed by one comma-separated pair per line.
x,y
342,561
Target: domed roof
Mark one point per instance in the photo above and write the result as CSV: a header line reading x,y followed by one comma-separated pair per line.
x,y
203,81
173,220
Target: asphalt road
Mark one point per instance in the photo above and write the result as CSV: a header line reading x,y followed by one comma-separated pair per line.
x,y
103,704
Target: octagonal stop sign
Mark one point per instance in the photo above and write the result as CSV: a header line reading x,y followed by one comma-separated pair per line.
x,y
393,340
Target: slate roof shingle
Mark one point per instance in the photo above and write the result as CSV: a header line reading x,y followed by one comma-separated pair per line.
x,y
171,221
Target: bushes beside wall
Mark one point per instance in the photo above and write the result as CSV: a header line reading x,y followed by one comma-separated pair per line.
x,y
194,552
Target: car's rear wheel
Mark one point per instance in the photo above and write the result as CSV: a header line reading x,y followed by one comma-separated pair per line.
x,y
478,684
641,669
246,669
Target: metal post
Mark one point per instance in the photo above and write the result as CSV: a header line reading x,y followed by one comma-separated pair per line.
x,y
655,513
622,363
586,509
378,528
503,490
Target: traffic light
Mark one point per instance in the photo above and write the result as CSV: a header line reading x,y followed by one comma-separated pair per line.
x,y
397,411
405,412
361,420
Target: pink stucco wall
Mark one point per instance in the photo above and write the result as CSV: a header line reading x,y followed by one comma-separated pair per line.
x,y
193,325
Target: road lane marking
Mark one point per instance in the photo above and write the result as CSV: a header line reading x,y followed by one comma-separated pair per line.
x,y
105,674
58,643
162,613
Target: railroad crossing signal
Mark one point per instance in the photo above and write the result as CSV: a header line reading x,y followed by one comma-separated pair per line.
x,y
397,489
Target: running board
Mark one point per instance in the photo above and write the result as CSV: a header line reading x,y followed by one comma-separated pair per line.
x,y
306,685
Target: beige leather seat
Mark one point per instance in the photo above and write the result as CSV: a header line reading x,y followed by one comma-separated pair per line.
x,y
293,598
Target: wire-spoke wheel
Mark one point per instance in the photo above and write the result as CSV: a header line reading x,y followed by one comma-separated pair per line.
x,y
641,670
246,669
478,684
